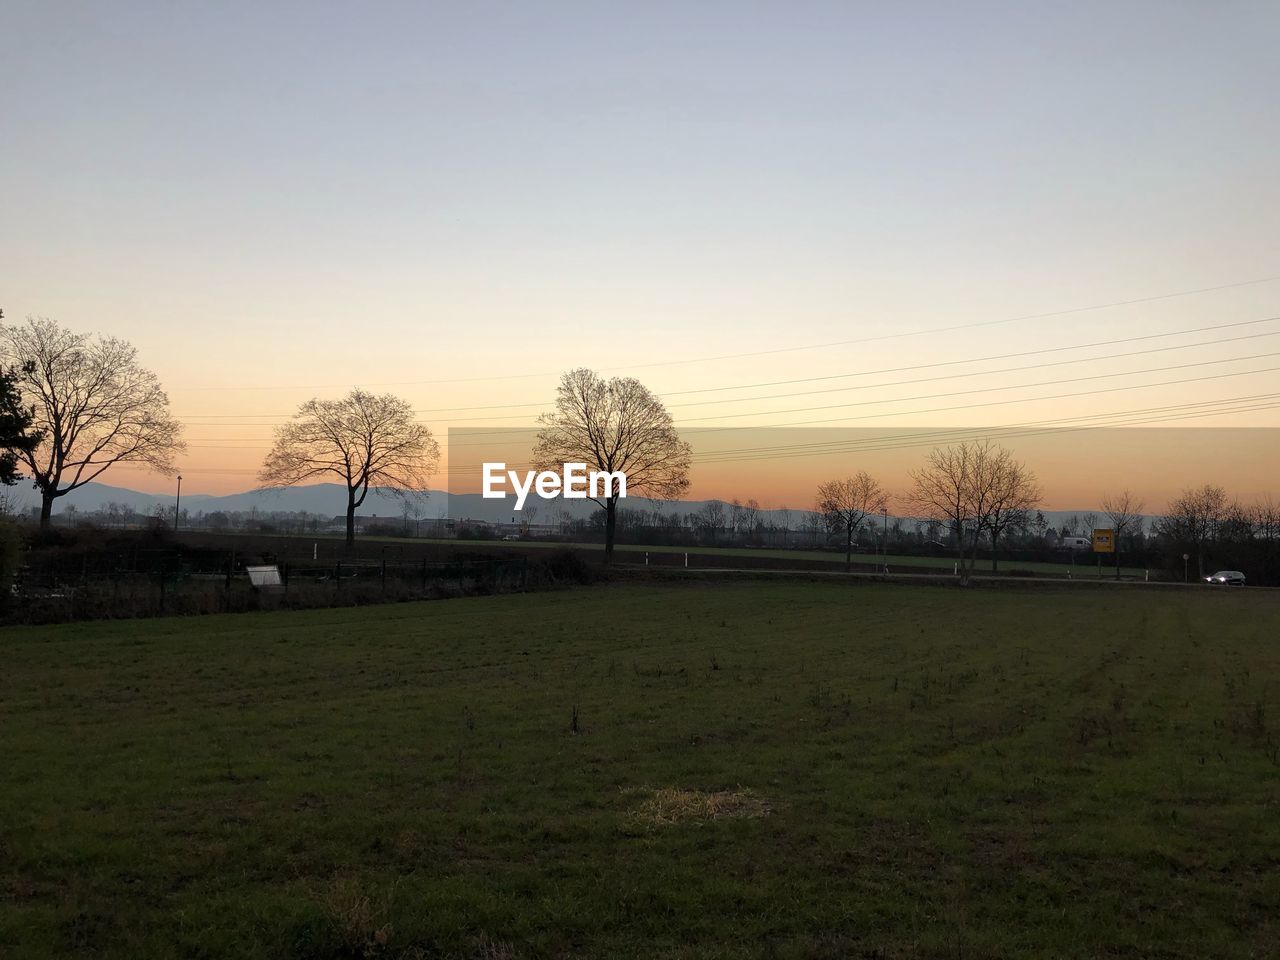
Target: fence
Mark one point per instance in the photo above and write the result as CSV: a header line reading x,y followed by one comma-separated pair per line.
x,y
143,583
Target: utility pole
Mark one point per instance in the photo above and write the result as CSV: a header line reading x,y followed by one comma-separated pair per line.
x,y
884,540
176,504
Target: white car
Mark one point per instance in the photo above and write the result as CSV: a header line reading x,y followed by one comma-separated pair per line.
x,y
1232,577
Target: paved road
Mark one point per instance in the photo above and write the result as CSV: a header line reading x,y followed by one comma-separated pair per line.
x,y
905,577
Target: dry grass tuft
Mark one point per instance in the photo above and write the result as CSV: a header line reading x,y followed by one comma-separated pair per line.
x,y
362,926
489,949
672,805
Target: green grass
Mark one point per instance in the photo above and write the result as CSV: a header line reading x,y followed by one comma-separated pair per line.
x,y
758,770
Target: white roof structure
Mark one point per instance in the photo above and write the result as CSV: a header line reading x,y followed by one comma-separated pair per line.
x,y
264,576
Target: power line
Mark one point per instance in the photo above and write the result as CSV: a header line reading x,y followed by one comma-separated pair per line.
x,y
866,373
993,403
985,373
793,349
950,434
931,437
999,433
952,393
997,403
960,393
941,363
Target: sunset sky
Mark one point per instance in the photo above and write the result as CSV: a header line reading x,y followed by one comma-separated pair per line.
x,y
457,203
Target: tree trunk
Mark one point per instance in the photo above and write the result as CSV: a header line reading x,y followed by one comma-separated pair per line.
x,y
351,522
610,527
993,551
46,508
967,569
1117,545
848,549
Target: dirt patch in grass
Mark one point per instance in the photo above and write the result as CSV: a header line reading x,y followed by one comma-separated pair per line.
x,y
671,805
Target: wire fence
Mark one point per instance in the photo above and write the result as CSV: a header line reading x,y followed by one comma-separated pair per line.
x,y
145,583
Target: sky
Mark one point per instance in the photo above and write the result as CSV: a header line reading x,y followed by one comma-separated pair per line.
x,y
458,202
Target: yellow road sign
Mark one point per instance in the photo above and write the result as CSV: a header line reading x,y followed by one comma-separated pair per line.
x,y
1104,541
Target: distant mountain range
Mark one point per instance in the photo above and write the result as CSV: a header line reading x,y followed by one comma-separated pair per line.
x,y
330,500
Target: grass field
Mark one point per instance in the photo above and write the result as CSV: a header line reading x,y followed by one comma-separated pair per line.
x,y
813,770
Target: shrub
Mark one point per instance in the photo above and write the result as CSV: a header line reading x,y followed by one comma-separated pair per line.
x,y
568,566
10,554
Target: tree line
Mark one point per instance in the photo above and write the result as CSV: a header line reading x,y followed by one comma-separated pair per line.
x,y
72,405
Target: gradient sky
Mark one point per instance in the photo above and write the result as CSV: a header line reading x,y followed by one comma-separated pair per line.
x,y
275,201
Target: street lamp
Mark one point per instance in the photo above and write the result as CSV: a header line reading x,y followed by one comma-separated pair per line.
x,y
176,504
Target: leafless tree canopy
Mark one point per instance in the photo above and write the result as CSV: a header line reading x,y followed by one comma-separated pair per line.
x,y
94,403
976,487
1193,518
366,441
845,504
1265,518
1124,511
944,488
710,518
614,425
1015,491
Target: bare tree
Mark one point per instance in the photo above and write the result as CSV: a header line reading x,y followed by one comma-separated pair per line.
x,y
1014,492
943,491
530,515
709,518
1265,518
844,504
1088,523
367,441
751,517
412,510
93,405
1124,511
1192,519
614,426
971,486
784,522
811,523
737,518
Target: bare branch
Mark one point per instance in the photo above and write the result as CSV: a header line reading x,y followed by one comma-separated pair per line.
x,y
94,406
366,441
614,425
